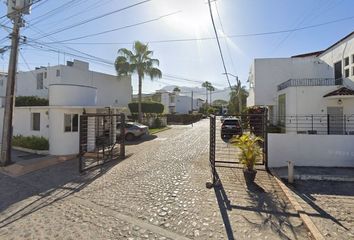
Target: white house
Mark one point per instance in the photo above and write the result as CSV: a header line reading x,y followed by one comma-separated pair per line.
x,y
174,102
316,84
71,90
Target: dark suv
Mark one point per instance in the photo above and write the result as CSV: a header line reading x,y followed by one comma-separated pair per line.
x,y
230,127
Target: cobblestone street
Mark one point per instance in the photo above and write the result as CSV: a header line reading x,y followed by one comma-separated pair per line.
x,y
157,192
330,206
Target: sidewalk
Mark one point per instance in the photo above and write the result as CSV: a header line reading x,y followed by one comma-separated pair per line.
x,y
318,173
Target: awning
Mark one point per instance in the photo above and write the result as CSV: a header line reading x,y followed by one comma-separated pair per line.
x,y
342,92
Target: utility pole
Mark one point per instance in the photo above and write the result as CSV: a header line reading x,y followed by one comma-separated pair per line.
x,y
15,10
192,103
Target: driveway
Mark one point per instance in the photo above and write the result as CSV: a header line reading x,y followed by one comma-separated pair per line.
x,y
158,192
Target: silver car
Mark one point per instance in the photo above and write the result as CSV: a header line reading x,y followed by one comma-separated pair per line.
x,y
133,130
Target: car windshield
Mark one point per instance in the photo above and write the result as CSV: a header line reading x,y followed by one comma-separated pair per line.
x,y
231,122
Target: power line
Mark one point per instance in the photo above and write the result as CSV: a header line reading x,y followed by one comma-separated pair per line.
x,y
94,18
226,43
217,40
213,38
120,28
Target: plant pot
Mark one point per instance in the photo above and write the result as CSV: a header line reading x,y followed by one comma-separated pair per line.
x,y
249,175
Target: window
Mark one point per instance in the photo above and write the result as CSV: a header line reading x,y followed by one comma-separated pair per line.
x,y
352,71
353,58
39,80
58,73
281,109
346,73
45,75
35,121
346,61
71,122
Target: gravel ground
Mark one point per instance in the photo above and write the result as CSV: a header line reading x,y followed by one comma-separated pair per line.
x,y
158,192
330,206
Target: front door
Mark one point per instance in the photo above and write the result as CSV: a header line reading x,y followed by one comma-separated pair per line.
x,y
336,120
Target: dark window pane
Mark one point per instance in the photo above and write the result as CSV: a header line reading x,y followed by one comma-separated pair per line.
x,y
67,122
75,122
36,121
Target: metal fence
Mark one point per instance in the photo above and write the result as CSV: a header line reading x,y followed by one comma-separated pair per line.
x,y
222,153
325,124
101,140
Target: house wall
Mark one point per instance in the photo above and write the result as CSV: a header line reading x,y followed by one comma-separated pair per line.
x,y
269,73
111,90
311,150
339,53
22,122
60,142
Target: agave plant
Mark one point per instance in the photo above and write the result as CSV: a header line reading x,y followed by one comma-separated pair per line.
x,y
250,149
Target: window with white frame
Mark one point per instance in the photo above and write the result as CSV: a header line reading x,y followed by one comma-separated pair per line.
x,y
40,77
35,121
346,61
346,72
71,122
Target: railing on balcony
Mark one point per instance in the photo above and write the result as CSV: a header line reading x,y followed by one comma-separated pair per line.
x,y
310,82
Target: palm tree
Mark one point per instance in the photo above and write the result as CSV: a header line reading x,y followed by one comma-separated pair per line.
x,y
238,97
177,90
206,85
138,61
211,89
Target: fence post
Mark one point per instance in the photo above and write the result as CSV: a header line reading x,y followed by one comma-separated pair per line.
x,y
122,136
345,125
328,119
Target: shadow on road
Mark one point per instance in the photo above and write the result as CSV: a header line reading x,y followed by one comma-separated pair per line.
x,y
42,188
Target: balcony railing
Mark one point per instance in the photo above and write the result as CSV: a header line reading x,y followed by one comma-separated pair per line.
x,y
310,82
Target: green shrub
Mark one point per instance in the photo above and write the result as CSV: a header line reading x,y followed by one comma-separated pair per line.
x,y
157,123
146,107
24,101
183,118
31,142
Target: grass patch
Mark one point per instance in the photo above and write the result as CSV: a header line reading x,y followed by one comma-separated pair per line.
x,y
156,130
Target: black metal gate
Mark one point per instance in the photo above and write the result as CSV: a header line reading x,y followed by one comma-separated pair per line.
x,y
100,139
222,153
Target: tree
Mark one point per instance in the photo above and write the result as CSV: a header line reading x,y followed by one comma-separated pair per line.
x,y
211,89
138,61
219,102
206,85
235,95
177,90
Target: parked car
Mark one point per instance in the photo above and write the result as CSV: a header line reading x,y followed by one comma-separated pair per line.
x,y
231,127
133,130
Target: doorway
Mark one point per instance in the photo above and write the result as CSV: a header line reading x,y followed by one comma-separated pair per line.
x,y
336,120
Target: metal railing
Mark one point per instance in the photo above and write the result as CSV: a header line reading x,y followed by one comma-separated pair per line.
x,y
322,124
310,82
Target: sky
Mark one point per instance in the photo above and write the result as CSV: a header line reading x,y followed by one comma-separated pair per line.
x,y
180,33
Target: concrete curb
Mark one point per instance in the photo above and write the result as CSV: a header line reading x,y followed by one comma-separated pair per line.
x,y
40,152
316,234
164,129
24,167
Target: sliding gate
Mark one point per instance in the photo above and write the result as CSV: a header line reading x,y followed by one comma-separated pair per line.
x,y
222,153
100,139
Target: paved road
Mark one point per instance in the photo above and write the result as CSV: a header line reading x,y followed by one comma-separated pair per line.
x,y
158,192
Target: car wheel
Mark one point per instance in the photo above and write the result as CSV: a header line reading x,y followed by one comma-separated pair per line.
x,y
129,137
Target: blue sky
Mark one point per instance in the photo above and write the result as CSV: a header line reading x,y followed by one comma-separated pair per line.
x,y
196,60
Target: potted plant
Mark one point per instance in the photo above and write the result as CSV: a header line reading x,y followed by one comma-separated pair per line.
x,y
250,150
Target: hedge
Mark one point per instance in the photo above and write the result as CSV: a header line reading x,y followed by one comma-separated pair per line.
x,y
24,101
31,142
146,107
183,118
